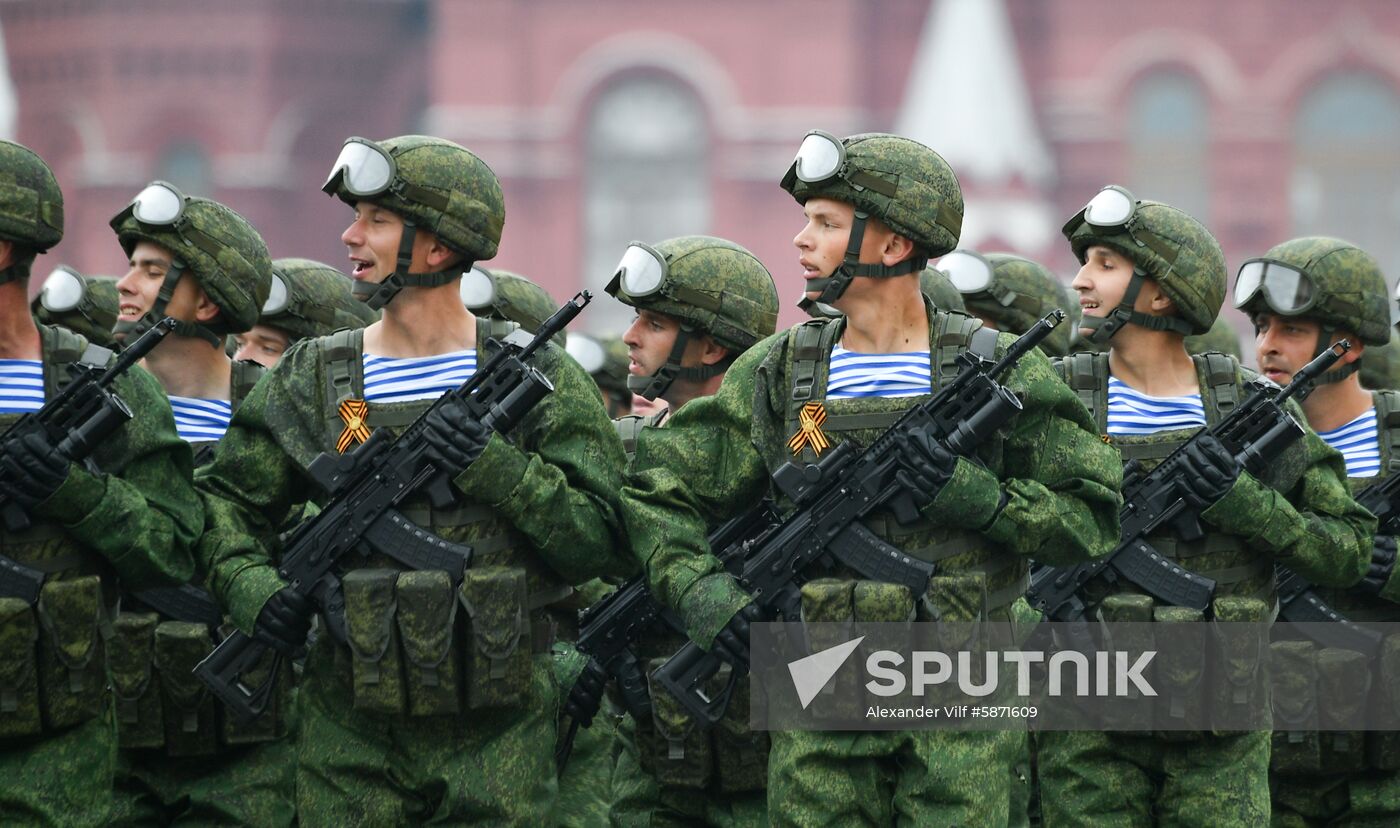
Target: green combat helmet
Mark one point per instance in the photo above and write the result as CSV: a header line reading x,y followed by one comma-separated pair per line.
x,y
1380,365
434,185
310,299
501,294
82,304
207,240
605,360
1328,280
31,207
1221,338
711,286
1010,292
1165,245
901,182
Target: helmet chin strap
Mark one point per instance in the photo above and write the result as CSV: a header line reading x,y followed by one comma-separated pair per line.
x,y
1324,342
1103,328
376,296
655,384
17,272
131,329
833,286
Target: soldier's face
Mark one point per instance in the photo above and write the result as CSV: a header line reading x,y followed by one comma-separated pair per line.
x,y
821,245
1283,344
138,290
1102,282
372,240
263,344
649,341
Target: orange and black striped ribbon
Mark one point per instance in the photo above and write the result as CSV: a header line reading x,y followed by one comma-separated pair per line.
x,y
356,432
809,432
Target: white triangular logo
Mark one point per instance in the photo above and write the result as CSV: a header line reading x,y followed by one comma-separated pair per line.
x,y
812,673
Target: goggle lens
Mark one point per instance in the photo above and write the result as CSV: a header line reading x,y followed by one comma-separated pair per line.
x,y
819,157
641,271
159,204
1112,207
367,170
276,297
968,272
1287,290
586,351
62,291
478,290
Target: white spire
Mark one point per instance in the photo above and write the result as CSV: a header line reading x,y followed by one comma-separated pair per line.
x,y
967,98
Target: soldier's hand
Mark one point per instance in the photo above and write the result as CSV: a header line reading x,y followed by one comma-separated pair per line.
x,y
31,470
454,438
1208,472
1382,565
925,465
284,622
586,696
732,644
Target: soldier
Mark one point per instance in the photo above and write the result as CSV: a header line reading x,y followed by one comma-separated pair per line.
x,y
376,746
131,512
701,302
1303,295
1221,338
306,299
877,207
85,305
1151,276
605,360
1009,293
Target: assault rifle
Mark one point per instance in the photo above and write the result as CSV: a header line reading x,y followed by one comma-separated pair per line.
x,y
1382,499
364,489
831,497
1298,602
76,421
609,628
1256,432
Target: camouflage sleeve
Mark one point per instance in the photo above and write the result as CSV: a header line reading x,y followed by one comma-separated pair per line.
x,y
1316,528
1061,482
698,471
142,515
557,479
253,482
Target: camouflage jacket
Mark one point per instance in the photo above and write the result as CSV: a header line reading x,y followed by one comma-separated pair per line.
x,y
141,514
716,455
1301,513
550,491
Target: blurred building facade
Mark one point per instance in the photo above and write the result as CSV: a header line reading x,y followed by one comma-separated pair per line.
x,y
620,119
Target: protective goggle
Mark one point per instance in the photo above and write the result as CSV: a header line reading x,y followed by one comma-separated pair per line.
x,y
1113,208
278,297
969,272
820,156
478,290
641,272
586,351
63,290
160,204
364,169
1286,289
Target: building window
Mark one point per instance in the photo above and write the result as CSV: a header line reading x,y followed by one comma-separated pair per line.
x,y
647,178
186,165
1346,165
1168,132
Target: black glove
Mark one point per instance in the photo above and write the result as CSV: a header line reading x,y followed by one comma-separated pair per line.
x,y
586,696
31,470
925,465
454,438
1382,564
284,622
732,644
1208,472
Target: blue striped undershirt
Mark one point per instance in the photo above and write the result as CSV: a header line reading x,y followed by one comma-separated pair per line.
x,y
878,375
199,420
1359,444
21,386
390,379
1135,413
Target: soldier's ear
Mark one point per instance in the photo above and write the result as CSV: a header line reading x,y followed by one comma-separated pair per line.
x,y
7,254
1357,346
204,308
711,352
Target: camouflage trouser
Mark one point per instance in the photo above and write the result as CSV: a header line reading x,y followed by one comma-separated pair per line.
x,y
1366,798
62,777
639,800
1110,779
247,785
909,778
583,787
1022,781
491,767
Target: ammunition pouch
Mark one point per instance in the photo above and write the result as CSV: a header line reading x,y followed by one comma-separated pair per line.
x,y
73,624
1241,670
1383,746
191,713
19,670
1343,678
1296,749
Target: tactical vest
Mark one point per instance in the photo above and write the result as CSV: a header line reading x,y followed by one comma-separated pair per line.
x,y
962,553
629,428
53,659
408,649
1236,569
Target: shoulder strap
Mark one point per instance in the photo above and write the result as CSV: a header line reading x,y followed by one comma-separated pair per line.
x,y
1087,375
61,348
1220,387
342,361
811,343
953,333
627,428
244,376
1388,429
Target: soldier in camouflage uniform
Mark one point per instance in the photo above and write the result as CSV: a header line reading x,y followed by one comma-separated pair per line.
x,y
85,305
1329,778
306,299
182,758
1151,276
1221,338
605,359
877,207
130,514
1009,293
391,730
714,300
